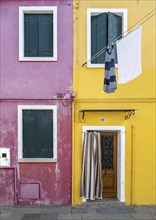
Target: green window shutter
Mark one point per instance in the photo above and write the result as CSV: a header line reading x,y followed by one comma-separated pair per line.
x,y
114,28
30,35
99,35
29,134
45,133
93,38
38,35
37,134
45,35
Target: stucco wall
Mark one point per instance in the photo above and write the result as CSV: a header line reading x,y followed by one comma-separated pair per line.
x,y
140,185
36,83
54,178
34,79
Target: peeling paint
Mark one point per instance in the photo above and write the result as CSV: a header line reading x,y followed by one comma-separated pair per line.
x,y
6,186
54,178
57,171
37,84
49,169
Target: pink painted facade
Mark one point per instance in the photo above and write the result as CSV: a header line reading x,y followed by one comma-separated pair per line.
x,y
35,83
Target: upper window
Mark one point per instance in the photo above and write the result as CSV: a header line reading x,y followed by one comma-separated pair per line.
x,y
38,33
103,27
37,133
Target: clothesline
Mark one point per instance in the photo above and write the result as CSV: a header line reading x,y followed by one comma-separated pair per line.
x,y
138,23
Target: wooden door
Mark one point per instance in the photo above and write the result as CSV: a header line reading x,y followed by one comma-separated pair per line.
x,y
109,164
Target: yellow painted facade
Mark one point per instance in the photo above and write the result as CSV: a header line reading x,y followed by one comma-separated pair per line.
x,y
139,94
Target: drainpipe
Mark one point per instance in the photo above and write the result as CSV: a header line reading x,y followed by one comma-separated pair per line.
x,y
73,154
132,163
15,187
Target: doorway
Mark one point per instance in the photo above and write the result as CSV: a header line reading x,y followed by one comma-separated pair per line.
x,y
115,186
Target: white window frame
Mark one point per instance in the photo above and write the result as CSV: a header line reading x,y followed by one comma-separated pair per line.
x,y
37,10
96,11
20,132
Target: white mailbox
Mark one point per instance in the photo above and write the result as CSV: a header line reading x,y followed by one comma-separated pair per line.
x,y
4,156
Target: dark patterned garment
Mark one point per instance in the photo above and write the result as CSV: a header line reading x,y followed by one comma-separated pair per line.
x,y
110,77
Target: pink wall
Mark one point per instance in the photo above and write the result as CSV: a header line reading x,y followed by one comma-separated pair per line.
x,y
7,186
28,83
34,79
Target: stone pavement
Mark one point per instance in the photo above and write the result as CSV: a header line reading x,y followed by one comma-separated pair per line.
x,y
85,212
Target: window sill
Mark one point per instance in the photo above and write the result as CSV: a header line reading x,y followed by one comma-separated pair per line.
x,y
37,160
38,59
98,65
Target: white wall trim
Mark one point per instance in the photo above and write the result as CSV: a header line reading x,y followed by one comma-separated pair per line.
x,y
96,11
20,131
120,155
37,10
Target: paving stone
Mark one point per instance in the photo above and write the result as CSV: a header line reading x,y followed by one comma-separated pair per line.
x,y
146,208
108,210
153,215
6,209
5,216
15,216
119,216
31,210
84,212
31,217
142,216
69,217
90,209
127,209
56,210
92,216
77,210
48,217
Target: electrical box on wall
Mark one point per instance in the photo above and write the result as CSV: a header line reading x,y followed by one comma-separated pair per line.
x,y
4,156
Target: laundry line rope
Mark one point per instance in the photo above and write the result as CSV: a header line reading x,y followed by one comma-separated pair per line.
x,y
124,34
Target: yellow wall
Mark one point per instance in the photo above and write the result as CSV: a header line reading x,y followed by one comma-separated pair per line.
x,y
140,175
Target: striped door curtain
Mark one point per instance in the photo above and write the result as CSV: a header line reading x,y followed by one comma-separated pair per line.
x,y
91,179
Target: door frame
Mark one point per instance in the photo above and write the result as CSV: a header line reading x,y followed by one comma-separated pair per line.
x,y
120,155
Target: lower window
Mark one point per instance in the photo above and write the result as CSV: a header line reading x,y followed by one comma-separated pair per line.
x,y
37,133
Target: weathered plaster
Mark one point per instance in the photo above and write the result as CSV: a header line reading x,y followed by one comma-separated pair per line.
x,y
36,83
6,186
54,178
34,79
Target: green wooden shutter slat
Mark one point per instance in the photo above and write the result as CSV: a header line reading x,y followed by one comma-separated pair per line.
x,y
102,35
46,35
99,36
31,35
45,133
93,38
29,134
114,28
